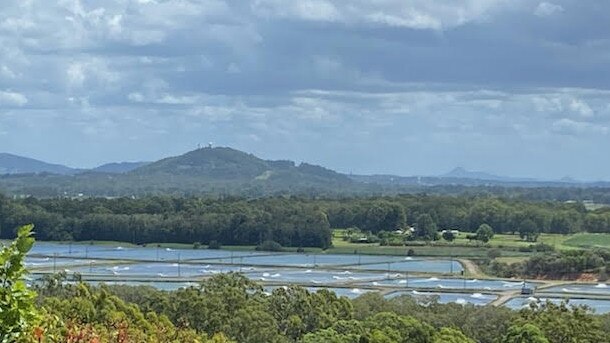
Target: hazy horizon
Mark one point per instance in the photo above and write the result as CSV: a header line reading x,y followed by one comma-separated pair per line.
x,y
347,172
513,88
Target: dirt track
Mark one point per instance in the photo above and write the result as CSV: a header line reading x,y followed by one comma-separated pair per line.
x,y
472,269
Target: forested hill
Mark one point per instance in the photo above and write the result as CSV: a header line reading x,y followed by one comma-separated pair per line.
x,y
119,167
226,164
13,164
219,171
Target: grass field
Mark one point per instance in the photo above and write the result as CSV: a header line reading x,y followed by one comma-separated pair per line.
x,y
588,240
514,241
461,247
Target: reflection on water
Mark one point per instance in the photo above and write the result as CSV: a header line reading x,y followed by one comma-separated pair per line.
x,y
372,262
415,265
599,306
347,275
157,269
451,283
425,298
313,276
341,292
600,288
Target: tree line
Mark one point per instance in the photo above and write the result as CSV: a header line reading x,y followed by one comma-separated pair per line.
x,y
548,263
289,221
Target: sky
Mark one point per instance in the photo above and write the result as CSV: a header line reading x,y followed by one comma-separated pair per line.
x,y
407,87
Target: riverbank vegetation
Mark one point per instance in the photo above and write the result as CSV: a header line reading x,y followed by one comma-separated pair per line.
x,y
570,264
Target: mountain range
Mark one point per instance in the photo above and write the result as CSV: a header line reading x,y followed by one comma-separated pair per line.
x,y
218,170
119,167
461,173
223,170
13,164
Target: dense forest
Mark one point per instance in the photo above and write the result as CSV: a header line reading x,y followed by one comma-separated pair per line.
x,y
230,308
290,221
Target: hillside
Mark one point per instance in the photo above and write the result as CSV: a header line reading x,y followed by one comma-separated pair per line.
x,y
231,169
230,165
119,167
228,172
461,173
203,171
13,164
209,163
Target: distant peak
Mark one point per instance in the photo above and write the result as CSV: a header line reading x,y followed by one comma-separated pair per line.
x,y
458,170
568,179
463,173
15,164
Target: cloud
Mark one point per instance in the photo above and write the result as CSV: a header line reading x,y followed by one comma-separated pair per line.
x,y
317,10
163,99
9,98
136,97
233,68
336,81
16,24
571,127
417,14
91,72
547,9
581,108
6,72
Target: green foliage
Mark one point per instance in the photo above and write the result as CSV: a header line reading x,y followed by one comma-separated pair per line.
x,y
484,233
484,324
18,315
214,244
231,308
559,323
562,264
494,253
449,335
330,336
402,329
448,236
175,220
292,222
588,240
526,333
216,171
529,231
269,246
425,228
298,311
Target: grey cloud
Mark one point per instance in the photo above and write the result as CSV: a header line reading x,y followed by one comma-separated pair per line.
x,y
9,98
418,14
385,86
546,9
567,126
